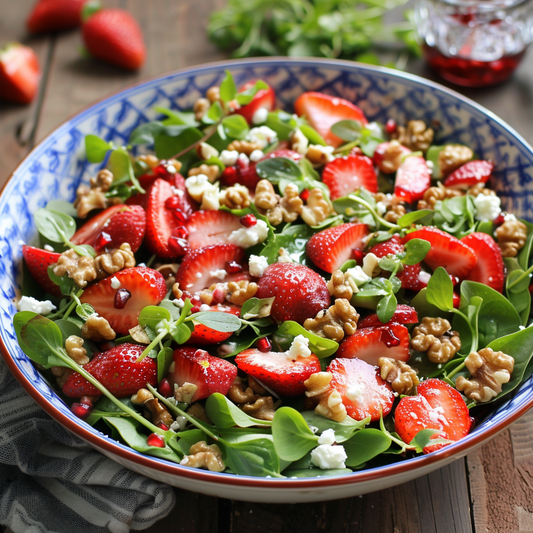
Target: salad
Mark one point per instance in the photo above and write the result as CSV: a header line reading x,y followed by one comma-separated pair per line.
x,y
265,293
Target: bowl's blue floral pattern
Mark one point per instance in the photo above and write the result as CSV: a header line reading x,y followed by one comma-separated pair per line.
x,y
57,166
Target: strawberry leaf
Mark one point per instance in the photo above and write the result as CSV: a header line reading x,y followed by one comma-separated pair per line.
x,y
292,436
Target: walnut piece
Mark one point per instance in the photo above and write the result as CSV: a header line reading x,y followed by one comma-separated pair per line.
x,y
61,373
240,291
198,411
244,147
328,401
213,93
200,108
333,323
452,156
236,197
211,171
434,336
318,155
262,408
417,136
317,208
400,375
339,286
79,268
511,237
394,213
202,455
434,194
268,202
489,371
97,328
138,334
103,180
185,393
291,203
479,188
75,349
392,157
157,413
238,394
150,160
93,197
107,264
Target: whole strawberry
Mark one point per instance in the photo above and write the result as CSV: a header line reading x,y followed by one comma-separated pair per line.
x,y
114,36
19,73
54,15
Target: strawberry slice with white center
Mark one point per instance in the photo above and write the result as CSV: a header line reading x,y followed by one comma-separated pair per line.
x,y
210,374
446,251
38,261
348,174
404,314
204,335
117,370
469,174
121,297
369,344
322,111
363,391
413,179
117,224
437,406
329,249
489,268
279,371
211,227
203,267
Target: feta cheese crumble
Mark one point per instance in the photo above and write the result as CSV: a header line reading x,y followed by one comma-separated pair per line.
x,y
115,283
256,156
356,277
248,237
229,157
262,135
284,256
328,457
327,437
355,392
260,116
48,248
27,303
220,273
258,265
487,207
299,347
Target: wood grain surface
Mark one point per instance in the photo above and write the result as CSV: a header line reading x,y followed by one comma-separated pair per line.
x,y
489,491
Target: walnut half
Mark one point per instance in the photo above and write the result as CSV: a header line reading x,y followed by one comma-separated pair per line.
x,y
333,323
435,337
328,401
202,455
400,375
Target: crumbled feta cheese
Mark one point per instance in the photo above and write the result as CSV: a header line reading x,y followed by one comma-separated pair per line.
x,y
299,347
141,265
198,185
327,151
509,217
355,392
430,165
260,116
27,303
210,199
370,264
177,192
229,157
205,307
284,256
179,303
247,237
220,273
381,208
115,283
327,437
258,265
299,142
374,128
327,457
314,429
48,248
487,207
256,156
179,424
244,159
356,277
262,135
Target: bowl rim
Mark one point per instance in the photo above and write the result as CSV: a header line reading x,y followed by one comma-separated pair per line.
x,y
100,440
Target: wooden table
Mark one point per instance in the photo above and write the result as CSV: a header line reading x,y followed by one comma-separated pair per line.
x,y
490,490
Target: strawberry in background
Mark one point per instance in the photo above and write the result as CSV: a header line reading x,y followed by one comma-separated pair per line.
x,y
115,37
54,15
19,73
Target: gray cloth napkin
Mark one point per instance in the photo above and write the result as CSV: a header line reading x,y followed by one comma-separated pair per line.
x,y
53,482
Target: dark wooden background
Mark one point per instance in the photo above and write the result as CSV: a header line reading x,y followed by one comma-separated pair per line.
x,y
491,490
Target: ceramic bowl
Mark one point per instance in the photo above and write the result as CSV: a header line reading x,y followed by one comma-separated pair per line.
x,y
57,165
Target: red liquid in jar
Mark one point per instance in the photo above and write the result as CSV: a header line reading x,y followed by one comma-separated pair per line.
x,y
469,72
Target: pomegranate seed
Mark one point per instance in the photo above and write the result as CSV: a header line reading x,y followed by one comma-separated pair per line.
x,y
155,440
195,309
218,296
304,195
456,300
390,126
388,338
86,400
248,220
499,220
161,170
357,255
172,202
179,216
181,232
195,300
81,410
229,176
232,267
164,388
102,241
121,298
162,426
264,345
356,151
178,246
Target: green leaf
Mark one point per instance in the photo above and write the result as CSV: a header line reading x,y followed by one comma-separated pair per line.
x,y
524,256
121,166
62,206
225,414
177,118
293,239
96,148
292,436
422,216
282,123
183,332
343,430
54,226
256,308
146,133
422,439
225,322
386,307
164,360
439,291
228,89
312,135
275,169
235,126
66,285
517,288
416,251
365,445
167,145
151,315
215,112
174,310
320,346
348,130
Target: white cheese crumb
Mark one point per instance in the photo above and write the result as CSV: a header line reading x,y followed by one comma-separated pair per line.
x,y
256,156
247,237
179,303
284,256
205,307
179,424
260,116
487,207
229,157
220,273
177,192
262,135
198,185
257,265
327,437
356,277
48,248
299,347
243,158
207,151
370,264
381,208
327,151
27,303
327,457
509,217
115,283
355,392
314,429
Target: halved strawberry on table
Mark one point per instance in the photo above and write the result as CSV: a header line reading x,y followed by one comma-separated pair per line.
x,y
348,174
206,227
329,249
469,174
54,15
413,179
204,335
279,371
263,99
436,406
117,370
19,73
38,261
363,391
121,297
210,374
322,111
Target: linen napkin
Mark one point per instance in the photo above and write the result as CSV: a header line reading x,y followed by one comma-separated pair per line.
x,y
53,482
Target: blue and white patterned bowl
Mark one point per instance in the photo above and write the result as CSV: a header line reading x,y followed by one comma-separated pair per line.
x,y
55,168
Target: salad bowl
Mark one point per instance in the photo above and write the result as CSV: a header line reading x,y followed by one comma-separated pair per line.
x,y
55,168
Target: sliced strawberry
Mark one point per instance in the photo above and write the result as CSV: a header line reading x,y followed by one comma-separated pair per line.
x,y
38,261
117,224
330,248
489,268
210,374
369,344
404,314
391,247
19,73
284,374
363,391
348,174
211,227
469,174
437,406
145,287
413,179
117,370
263,98
283,152
388,157
299,292
200,267
322,111
204,335
446,251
